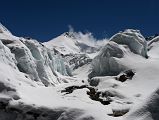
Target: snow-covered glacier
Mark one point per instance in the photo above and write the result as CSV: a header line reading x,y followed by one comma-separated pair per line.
x,y
74,79
133,39
122,44
34,59
133,53
107,62
77,48
6,56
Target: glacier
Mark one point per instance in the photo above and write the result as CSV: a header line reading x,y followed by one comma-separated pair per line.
x,y
34,59
56,81
133,39
107,62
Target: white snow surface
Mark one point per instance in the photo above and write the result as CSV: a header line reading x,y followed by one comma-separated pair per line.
x,y
138,96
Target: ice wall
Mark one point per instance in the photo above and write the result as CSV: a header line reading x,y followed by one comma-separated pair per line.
x,y
34,59
133,39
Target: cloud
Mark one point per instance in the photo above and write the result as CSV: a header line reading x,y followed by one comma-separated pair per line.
x,y
70,28
87,37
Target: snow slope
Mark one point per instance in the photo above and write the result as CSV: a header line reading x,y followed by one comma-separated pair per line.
x,y
147,109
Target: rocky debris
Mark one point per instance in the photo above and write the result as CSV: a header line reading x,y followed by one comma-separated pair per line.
x,y
118,113
5,42
94,81
126,75
99,96
70,89
103,98
122,78
77,60
69,35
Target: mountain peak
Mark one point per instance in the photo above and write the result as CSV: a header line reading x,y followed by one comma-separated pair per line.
x,y
69,35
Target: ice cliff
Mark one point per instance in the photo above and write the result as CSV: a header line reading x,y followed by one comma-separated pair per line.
x,y
32,58
133,39
108,61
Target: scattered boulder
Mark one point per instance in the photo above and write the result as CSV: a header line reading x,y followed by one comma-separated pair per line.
x,y
99,96
118,113
70,89
126,75
93,93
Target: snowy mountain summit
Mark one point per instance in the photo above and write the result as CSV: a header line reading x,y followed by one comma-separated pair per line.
x,y
74,43
76,77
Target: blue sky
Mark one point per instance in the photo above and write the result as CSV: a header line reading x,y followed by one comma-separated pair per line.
x,y
46,19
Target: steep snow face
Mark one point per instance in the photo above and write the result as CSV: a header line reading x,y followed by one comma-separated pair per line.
x,y
39,62
4,30
133,39
154,40
6,56
74,43
32,58
6,34
25,61
153,47
46,57
108,60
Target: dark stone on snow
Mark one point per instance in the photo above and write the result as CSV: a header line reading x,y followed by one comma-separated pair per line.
x,y
126,75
